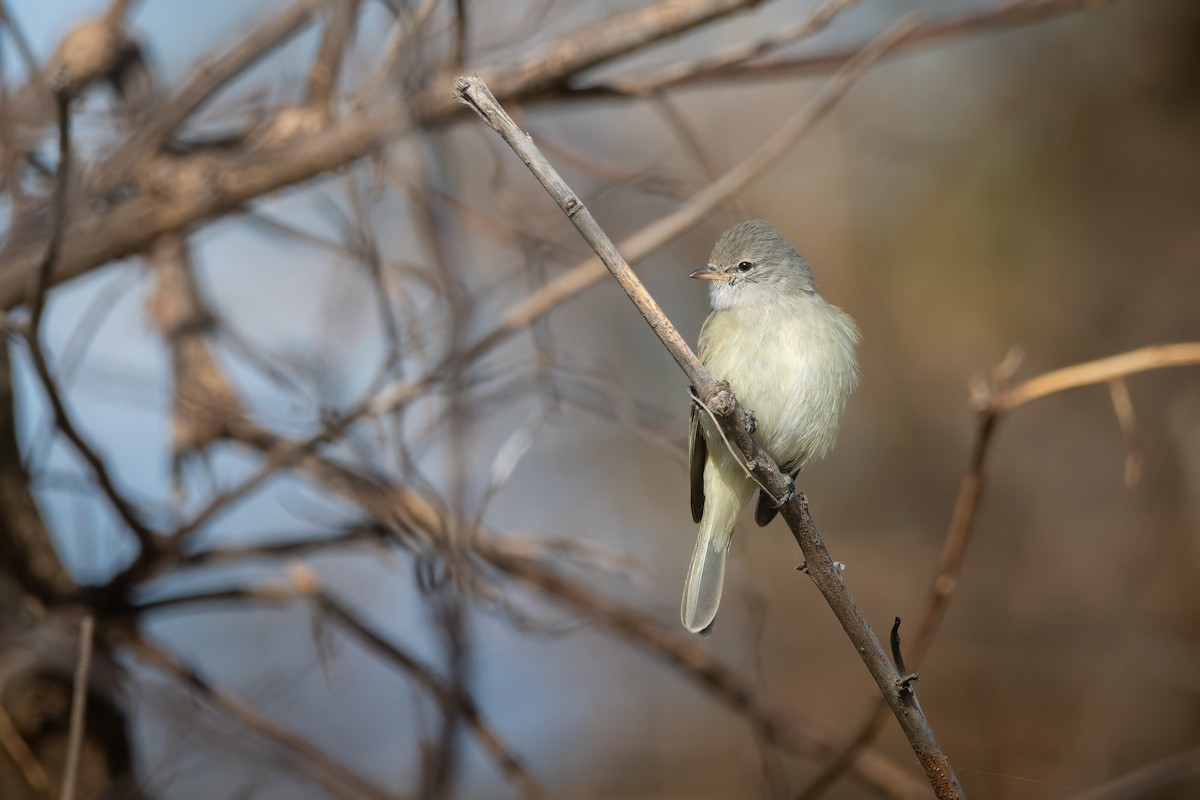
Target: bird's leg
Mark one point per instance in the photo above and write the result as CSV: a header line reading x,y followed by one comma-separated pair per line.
x,y
751,421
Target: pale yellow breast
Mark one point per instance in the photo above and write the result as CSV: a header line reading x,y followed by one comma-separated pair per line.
x,y
790,362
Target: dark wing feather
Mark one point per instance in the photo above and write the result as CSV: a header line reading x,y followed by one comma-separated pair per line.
x,y
697,455
766,509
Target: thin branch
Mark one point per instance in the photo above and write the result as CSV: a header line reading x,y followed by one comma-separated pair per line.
x,y
1146,781
18,37
992,402
327,66
78,708
237,594
1013,14
630,625
401,506
607,39
1099,371
335,777
818,20
506,759
207,78
112,232
41,283
586,274
733,420
18,750
1118,390
461,34
404,27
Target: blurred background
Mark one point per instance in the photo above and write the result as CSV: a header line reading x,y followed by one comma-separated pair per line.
x,y
1014,182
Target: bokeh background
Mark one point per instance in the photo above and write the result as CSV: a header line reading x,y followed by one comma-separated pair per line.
x,y
1037,187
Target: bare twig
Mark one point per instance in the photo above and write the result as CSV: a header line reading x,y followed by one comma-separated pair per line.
x,y
507,761
78,708
817,21
575,280
734,422
1099,371
327,66
461,34
18,37
403,506
1147,780
207,79
1013,14
1118,390
334,776
41,284
25,759
992,403
795,735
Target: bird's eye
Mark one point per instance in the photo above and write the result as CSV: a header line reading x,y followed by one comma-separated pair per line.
x,y
745,266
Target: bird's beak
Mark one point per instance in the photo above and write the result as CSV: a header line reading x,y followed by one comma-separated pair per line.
x,y
710,273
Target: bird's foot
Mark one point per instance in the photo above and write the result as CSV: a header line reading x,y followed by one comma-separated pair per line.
x,y
751,421
789,495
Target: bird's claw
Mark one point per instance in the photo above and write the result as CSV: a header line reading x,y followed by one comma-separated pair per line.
x,y
789,495
751,421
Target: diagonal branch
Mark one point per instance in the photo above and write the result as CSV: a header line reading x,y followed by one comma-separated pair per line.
x,y
327,66
993,402
41,283
1012,14
334,776
207,79
445,693
732,419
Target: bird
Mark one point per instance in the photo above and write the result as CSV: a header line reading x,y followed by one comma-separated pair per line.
x,y
790,359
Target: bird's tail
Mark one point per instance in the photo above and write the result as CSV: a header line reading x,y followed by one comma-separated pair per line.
x,y
705,579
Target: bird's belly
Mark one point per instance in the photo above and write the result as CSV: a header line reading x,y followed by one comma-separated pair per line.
x,y
783,388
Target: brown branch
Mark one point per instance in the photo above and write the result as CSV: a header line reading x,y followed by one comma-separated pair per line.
x,y
41,282
732,420
27,552
994,402
18,37
26,760
327,66
507,761
797,736
606,39
230,180
401,507
636,247
1099,371
1013,14
208,78
78,709
335,777
1148,780
818,20
461,35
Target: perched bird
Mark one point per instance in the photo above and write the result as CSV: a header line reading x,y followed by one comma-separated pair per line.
x,y
789,357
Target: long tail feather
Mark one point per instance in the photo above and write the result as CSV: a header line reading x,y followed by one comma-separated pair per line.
x,y
705,579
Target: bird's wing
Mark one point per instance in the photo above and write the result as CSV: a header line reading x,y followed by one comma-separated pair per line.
x,y
697,455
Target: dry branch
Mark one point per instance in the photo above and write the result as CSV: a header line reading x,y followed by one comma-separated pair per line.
x,y
993,402
78,709
334,776
37,301
1014,14
733,422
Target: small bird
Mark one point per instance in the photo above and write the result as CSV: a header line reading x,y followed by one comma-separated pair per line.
x,y
789,358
